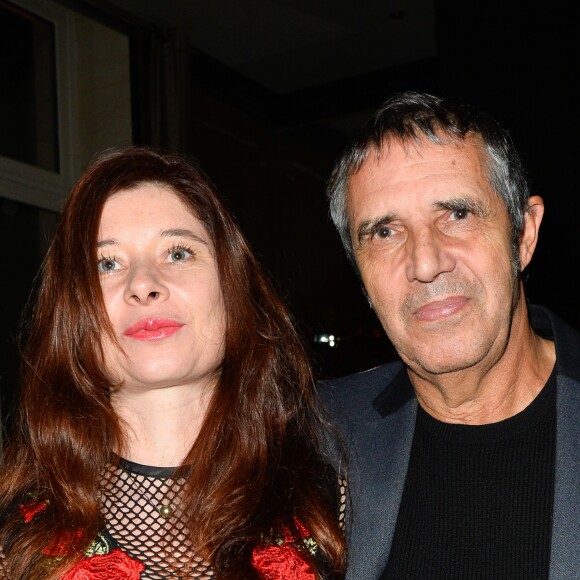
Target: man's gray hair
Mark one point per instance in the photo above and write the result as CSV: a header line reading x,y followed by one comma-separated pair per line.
x,y
407,118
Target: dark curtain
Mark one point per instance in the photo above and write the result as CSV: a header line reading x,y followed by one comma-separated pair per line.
x,y
161,101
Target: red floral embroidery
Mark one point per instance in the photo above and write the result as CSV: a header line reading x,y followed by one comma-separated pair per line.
x,y
115,565
63,542
283,562
30,510
300,527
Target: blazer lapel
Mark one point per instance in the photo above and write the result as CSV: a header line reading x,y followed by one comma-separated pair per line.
x,y
376,475
565,552
565,548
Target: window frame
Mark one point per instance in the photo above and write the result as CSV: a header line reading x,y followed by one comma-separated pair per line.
x,y
34,185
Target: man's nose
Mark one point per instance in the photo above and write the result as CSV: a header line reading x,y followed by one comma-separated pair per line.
x,y
429,254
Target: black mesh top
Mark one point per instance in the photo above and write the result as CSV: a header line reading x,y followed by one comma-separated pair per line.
x,y
143,528
133,498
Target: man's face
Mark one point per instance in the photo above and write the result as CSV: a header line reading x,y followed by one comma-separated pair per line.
x,y
432,242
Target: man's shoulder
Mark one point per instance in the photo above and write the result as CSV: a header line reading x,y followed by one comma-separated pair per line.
x,y
566,337
363,386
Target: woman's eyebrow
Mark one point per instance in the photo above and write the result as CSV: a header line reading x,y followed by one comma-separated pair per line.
x,y
179,233
110,242
172,233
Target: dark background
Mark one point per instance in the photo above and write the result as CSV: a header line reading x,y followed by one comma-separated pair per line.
x,y
269,144
267,130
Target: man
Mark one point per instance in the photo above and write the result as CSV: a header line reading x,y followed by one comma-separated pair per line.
x,y
464,456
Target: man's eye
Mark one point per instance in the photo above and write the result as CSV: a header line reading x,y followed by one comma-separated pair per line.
x,y
459,214
382,232
106,265
179,254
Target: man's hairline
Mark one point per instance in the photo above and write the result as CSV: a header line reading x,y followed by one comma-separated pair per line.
x,y
379,148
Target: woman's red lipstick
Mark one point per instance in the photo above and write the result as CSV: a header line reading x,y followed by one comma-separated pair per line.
x,y
153,329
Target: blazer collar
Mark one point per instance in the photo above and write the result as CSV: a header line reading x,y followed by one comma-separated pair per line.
x,y
396,395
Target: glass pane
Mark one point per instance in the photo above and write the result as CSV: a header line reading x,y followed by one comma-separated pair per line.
x,y
25,232
28,102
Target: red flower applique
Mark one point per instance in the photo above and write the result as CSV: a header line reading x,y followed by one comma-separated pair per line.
x,y
115,565
63,542
30,510
281,563
284,560
302,530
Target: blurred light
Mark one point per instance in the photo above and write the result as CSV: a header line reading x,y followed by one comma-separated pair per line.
x,y
329,339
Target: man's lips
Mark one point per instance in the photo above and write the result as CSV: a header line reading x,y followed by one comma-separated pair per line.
x,y
153,329
439,309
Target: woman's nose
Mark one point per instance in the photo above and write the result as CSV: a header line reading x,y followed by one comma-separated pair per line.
x,y
153,295
145,286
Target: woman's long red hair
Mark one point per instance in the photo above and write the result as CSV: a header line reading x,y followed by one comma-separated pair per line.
x,y
257,455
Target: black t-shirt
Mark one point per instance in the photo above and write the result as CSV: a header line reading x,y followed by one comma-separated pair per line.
x,y
478,500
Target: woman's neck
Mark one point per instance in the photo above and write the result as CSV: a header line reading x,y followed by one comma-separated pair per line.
x,y
161,425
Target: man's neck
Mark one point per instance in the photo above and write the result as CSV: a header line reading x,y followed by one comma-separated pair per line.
x,y
491,390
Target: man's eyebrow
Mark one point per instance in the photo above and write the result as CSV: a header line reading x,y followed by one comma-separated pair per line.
x,y
367,226
474,206
458,203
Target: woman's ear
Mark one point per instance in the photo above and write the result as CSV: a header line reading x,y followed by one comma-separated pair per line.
x,y
529,239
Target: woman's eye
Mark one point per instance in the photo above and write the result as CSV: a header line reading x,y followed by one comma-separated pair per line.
x,y
179,254
106,265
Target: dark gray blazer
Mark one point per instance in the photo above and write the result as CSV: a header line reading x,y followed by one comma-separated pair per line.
x,y
375,411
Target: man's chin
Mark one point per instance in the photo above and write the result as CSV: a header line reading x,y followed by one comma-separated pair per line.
x,y
441,359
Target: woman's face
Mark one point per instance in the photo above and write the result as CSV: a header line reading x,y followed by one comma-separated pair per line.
x,y
161,290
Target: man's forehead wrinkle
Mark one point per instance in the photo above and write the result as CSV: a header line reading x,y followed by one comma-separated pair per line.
x,y
375,181
410,143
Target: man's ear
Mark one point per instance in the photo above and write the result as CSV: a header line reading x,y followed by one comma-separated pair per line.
x,y
529,239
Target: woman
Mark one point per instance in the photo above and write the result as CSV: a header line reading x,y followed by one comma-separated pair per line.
x,y
168,425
